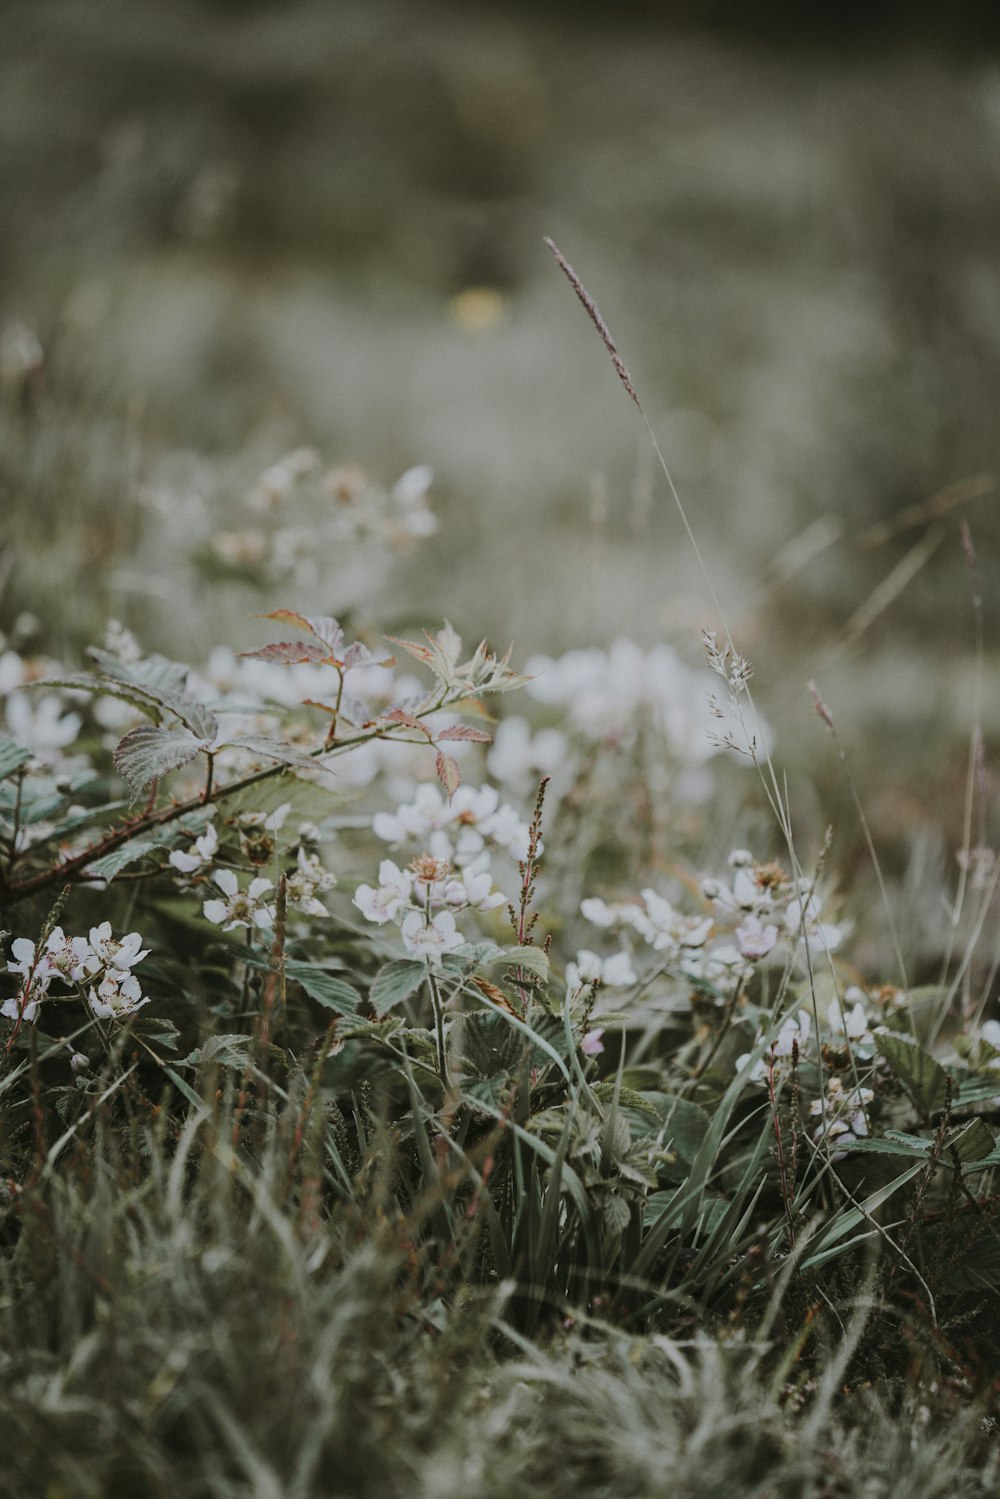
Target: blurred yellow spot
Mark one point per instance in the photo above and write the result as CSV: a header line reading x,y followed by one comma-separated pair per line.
x,y
478,309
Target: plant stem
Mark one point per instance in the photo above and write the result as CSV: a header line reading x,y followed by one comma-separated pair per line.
x,y
147,821
438,1006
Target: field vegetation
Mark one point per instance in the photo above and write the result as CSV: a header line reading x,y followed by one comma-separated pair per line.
x,y
445,1056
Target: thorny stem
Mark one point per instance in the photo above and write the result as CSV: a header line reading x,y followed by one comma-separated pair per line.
x,y
206,795
148,820
523,919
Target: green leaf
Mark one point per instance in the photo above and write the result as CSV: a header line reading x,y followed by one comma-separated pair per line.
x,y
395,982
225,1051
913,1147
491,1047
281,754
532,959
627,1098
331,992
156,683
147,753
923,1078
972,1143
129,853
12,756
686,1124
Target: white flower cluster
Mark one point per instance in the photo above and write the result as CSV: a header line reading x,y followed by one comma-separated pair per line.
x,y
769,906
423,900
843,1110
461,831
103,964
303,886
754,911
606,694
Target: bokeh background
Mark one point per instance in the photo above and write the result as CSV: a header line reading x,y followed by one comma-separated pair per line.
x,y
232,230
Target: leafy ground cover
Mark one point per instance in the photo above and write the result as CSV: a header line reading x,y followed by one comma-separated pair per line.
x,y
425,1072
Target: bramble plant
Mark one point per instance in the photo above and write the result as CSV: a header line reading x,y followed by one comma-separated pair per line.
x,y
362,1027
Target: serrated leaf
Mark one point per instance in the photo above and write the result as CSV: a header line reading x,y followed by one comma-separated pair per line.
x,y
449,772
972,1143
470,956
288,653
885,1146
407,720
923,1078
627,1098
155,684
395,982
532,959
328,990
280,753
490,1046
321,626
155,673
12,756
225,1051
147,753
464,731
129,853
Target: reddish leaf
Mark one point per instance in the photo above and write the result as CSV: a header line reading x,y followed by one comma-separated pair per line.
x,y
289,653
421,652
400,716
320,626
463,731
449,773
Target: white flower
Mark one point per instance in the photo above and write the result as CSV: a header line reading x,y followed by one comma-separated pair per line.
x,y
474,889
240,908
615,972
430,939
756,940
30,967
592,1045
117,996
205,849
802,919
307,882
65,956
109,952
271,821
853,1024
794,1034
516,755
15,1009
664,927
599,913
40,725
391,896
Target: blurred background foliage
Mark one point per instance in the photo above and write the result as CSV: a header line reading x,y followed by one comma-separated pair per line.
x,y
234,229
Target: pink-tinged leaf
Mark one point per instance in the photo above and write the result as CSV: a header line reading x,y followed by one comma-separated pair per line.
x,y
321,626
310,702
357,655
466,732
147,753
400,716
289,653
414,648
449,772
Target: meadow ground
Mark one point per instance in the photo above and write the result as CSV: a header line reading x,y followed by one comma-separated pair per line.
x,y
425,1069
